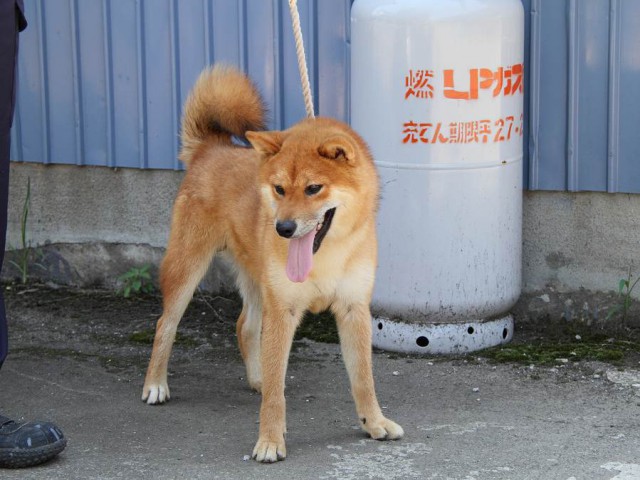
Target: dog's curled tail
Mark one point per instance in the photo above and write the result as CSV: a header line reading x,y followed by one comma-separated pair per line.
x,y
223,102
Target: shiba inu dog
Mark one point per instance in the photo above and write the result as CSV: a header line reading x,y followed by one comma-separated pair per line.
x,y
296,215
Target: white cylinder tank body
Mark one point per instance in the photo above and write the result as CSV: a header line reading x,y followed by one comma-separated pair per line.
x,y
437,93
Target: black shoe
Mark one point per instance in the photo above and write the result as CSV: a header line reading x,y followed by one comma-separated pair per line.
x,y
28,444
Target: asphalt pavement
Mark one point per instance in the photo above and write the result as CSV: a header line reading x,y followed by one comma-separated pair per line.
x,y
464,418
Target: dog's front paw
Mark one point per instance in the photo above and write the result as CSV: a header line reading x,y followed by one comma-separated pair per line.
x,y
384,429
155,393
268,451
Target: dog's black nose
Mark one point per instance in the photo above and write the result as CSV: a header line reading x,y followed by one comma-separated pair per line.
x,y
286,228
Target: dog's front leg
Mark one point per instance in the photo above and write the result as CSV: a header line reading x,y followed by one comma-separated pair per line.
x,y
279,323
354,327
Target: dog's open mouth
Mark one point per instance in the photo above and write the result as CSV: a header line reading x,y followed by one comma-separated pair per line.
x,y
323,228
302,249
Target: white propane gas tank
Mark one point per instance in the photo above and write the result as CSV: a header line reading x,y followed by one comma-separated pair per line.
x,y
437,93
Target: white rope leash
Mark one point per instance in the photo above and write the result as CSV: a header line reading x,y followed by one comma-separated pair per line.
x,y
302,61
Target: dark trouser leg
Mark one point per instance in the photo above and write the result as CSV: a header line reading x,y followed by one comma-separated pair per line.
x,y
21,445
4,191
8,54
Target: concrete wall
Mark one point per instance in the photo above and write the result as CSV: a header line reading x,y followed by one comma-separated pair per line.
x,y
96,223
92,224
580,240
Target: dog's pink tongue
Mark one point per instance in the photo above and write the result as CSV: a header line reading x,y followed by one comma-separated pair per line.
x,y
300,259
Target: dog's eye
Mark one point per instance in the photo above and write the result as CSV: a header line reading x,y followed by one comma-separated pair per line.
x,y
312,189
279,190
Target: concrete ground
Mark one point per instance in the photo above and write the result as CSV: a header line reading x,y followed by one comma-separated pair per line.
x,y
464,418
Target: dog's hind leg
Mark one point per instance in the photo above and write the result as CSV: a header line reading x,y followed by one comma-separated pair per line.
x,y
248,330
188,256
354,327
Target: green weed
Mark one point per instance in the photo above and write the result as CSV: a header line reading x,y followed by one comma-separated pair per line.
x,y
136,281
549,353
25,254
625,288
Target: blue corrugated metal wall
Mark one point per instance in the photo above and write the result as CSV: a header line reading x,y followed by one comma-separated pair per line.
x,y
102,82
584,78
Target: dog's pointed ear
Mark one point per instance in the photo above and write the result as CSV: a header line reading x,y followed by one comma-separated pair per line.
x,y
338,147
267,143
